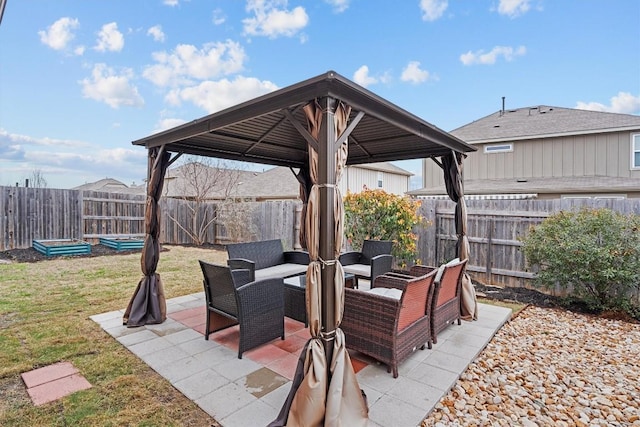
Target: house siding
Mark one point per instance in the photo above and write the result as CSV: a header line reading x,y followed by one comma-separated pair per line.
x,y
604,154
356,179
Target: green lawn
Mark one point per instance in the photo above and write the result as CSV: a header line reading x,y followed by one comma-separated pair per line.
x,y
44,319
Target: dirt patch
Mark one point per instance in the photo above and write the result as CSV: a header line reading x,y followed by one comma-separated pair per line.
x,y
519,295
31,255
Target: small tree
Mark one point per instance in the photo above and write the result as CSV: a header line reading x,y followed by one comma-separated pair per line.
x,y
199,182
376,214
37,179
593,253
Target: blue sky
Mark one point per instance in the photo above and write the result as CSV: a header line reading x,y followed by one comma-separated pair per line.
x,y
80,80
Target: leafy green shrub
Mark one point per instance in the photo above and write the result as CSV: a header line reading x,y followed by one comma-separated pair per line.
x,y
378,215
592,253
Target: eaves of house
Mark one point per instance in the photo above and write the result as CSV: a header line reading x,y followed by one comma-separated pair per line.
x,y
536,186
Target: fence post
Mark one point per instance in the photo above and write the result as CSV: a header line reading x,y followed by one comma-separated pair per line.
x,y
11,225
297,220
489,274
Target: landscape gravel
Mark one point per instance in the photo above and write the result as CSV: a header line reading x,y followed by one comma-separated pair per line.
x,y
550,367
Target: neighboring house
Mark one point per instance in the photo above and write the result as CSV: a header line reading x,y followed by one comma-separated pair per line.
x,y
111,185
547,152
278,183
385,176
199,181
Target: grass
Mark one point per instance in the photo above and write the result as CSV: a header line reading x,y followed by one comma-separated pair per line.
x,y
44,319
515,307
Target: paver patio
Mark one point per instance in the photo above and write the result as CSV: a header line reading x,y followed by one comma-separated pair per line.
x,y
250,391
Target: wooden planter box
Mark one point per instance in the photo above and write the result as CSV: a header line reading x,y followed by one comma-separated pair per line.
x,y
56,247
122,244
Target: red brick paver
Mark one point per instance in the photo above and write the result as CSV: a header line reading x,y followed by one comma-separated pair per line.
x,y
53,382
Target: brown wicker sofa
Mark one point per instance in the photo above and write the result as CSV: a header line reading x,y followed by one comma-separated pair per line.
x,y
390,321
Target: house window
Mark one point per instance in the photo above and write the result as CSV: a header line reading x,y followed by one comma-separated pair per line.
x,y
500,148
635,151
379,179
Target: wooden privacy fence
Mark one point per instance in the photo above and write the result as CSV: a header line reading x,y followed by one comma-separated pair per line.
x,y
43,213
495,229
38,213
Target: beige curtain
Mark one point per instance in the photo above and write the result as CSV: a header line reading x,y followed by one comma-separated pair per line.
x,y
453,178
319,400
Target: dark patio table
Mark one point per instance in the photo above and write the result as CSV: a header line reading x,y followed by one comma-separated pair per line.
x,y
294,296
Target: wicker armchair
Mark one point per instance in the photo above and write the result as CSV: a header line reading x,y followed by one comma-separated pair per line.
x,y
447,301
231,299
386,328
374,259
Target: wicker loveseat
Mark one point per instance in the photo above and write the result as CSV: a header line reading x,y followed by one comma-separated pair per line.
x,y
267,259
392,320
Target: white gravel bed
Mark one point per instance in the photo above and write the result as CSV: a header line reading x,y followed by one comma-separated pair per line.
x,y
550,367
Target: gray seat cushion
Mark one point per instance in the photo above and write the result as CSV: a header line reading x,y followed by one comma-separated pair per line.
x,y
280,270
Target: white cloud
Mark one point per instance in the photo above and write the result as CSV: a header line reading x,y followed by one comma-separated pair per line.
x,y
362,77
623,102
129,163
156,33
59,34
171,3
272,19
187,62
413,74
513,8
480,57
219,17
109,38
214,96
112,89
433,9
339,6
168,123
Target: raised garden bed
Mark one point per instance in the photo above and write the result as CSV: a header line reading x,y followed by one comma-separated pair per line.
x,y
122,243
55,247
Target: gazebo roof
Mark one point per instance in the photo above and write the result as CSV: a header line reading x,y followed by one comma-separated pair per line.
x,y
269,129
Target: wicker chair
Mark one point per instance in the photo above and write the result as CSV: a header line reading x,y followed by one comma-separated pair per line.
x,y
446,303
386,328
231,299
374,259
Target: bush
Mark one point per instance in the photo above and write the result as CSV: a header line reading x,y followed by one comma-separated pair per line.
x,y
378,215
592,253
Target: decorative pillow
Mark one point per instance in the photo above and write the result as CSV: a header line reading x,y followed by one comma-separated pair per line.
x,y
439,273
441,268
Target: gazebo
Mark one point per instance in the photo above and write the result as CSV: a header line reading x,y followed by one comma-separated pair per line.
x,y
318,126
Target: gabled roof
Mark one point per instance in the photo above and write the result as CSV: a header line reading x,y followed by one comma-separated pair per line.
x,y
268,129
199,180
543,122
275,183
385,167
111,185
